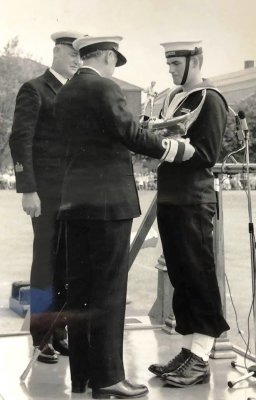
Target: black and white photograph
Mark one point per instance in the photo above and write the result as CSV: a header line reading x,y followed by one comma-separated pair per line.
x,y
127,199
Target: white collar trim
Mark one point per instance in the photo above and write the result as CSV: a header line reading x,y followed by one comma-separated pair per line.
x,y
58,76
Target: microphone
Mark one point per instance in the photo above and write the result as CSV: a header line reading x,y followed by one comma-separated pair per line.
x,y
243,122
238,125
239,131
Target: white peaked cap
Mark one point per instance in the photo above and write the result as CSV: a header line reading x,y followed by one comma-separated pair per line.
x,y
66,37
89,44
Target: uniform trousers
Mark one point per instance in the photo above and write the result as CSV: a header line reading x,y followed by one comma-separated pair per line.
x,y
187,239
48,271
98,253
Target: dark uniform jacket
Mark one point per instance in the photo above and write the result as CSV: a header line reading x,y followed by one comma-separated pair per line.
x,y
100,132
35,143
192,181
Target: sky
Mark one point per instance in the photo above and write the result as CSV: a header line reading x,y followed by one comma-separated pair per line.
x,y
227,29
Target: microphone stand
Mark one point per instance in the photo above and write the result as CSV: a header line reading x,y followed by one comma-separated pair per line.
x,y
251,371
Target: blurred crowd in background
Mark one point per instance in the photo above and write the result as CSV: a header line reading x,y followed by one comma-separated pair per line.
x,y
145,180
148,181
238,182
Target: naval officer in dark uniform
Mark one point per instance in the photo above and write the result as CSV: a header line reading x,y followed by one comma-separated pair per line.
x,y
39,160
185,209
99,201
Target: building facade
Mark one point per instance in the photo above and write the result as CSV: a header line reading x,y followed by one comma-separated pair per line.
x,y
237,86
133,97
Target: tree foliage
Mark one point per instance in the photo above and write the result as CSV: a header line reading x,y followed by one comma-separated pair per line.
x,y
230,142
12,47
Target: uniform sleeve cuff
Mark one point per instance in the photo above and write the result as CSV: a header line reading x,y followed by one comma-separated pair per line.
x,y
166,145
171,151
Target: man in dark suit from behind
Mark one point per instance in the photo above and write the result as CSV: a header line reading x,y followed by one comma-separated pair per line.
x,y
39,160
99,202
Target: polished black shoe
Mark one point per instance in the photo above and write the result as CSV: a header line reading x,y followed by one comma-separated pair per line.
x,y
192,372
121,390
78,386
172,365
48,355
61,346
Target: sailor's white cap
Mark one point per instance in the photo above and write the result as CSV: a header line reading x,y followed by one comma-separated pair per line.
x,y
182,49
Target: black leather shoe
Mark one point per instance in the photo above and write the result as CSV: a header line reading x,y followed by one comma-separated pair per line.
x,y
135,385
172,365
120,390
61,346
78,386
48,355
192,372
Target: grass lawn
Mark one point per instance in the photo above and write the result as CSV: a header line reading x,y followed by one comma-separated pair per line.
x,y
16,242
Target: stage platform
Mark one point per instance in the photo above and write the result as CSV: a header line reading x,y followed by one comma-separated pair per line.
x,y
141,347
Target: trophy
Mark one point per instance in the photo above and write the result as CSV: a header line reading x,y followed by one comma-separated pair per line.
x,y
151,95
175,127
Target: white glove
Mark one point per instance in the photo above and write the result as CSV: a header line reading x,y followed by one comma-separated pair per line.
x,y
189,149
180,139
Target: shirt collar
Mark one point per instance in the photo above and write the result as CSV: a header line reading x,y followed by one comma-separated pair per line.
x,y
58,76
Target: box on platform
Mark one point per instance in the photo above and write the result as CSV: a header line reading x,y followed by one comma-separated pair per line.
x,y
19,301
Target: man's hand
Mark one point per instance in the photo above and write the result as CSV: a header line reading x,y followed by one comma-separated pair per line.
x,y
189,149
31,204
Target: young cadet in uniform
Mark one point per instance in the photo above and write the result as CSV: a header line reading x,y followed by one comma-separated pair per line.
x,y
99,201
185,210
39,167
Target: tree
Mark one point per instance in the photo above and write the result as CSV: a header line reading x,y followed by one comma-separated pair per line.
x,y
230,141
12,47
